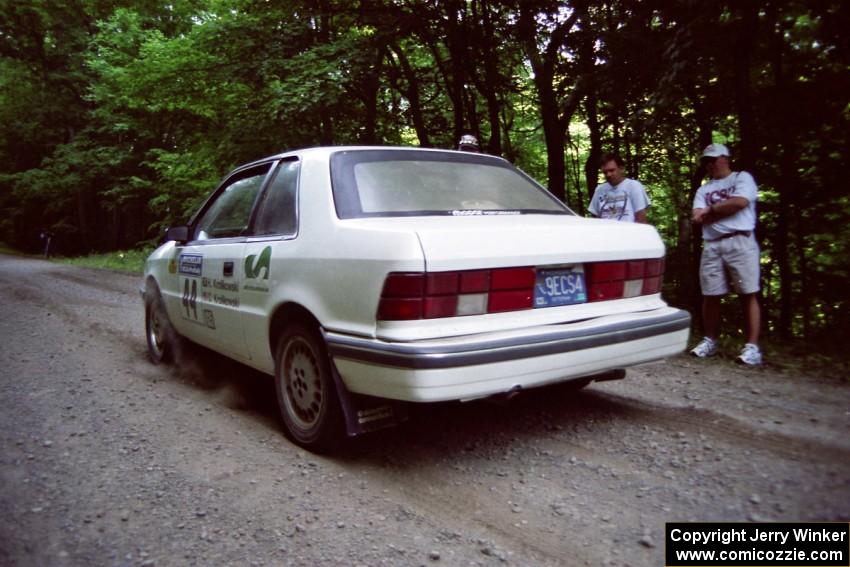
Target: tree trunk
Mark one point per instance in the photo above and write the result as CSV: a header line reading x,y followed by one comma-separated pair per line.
x,y
587,64
326,128
453,88
591,166
455,42
690,238
481,12
371,83
786,168
553,133
543,65
412,95
742,65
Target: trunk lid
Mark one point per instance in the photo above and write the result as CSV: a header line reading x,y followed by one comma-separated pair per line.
x,y
467,243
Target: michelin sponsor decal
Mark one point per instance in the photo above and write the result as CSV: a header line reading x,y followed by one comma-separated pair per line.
x,y
191,265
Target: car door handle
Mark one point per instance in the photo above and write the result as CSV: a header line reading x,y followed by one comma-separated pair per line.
x,y
228,269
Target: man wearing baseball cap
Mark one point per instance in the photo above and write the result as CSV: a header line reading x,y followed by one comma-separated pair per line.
x,y
725,207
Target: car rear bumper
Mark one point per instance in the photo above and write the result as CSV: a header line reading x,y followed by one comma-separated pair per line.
x,y
493,363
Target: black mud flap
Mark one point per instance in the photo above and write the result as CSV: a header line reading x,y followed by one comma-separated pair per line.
x,y
366,413
617,374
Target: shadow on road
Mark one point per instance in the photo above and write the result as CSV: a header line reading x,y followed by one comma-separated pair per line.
x,y
451,427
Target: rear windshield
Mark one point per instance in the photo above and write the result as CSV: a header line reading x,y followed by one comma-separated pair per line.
x,y
416,183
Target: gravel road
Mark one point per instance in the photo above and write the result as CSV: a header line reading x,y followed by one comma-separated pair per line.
x,y
109,460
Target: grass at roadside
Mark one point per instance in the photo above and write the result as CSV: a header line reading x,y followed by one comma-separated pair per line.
x,y
827,359
10,251
124,261
823,357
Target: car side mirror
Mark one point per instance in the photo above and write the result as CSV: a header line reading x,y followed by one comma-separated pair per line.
x,y
179,234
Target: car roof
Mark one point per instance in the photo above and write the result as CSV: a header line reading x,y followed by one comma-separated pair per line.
x,y
326,151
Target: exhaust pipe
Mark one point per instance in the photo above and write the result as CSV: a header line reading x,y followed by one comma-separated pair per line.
x,y
505,397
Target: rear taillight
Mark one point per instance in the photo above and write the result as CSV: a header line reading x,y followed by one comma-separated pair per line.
x,y
616,280
511,289
432,295
417,295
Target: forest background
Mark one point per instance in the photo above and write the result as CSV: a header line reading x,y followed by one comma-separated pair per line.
x,y
118,118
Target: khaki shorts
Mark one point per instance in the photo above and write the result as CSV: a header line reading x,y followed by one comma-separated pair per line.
x,y
730,261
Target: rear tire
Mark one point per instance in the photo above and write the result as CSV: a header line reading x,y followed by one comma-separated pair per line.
x,y
306,391
160,335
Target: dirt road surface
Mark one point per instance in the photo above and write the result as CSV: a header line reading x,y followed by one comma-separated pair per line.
x,y
109,460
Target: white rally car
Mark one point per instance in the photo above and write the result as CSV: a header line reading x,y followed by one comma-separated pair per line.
x,y
361,277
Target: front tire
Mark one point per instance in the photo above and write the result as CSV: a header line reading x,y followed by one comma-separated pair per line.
x,y
158,330
306,391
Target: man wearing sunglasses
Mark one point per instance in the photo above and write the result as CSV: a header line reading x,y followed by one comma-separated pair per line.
x,y
725,207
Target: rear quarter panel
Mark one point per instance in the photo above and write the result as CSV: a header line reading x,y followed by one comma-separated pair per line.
x,y
335,269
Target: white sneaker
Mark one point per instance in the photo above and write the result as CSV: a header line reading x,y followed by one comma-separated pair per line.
x,y
707,347
750,355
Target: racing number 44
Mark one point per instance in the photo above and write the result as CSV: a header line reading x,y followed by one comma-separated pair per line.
x,y
190,298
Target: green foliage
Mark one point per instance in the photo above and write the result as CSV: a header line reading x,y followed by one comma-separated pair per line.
x,y
132,261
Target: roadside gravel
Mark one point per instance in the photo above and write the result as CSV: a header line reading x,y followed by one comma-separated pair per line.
x,y
108,460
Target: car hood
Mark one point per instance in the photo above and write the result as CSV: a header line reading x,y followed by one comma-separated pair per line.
x,y
454,243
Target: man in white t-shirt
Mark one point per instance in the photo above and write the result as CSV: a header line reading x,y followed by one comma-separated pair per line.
x,y
619,198
725,207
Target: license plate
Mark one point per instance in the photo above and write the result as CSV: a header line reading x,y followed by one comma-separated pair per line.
x,y
559,287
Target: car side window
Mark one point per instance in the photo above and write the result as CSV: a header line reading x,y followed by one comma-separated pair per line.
x,y
276,213
229,214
